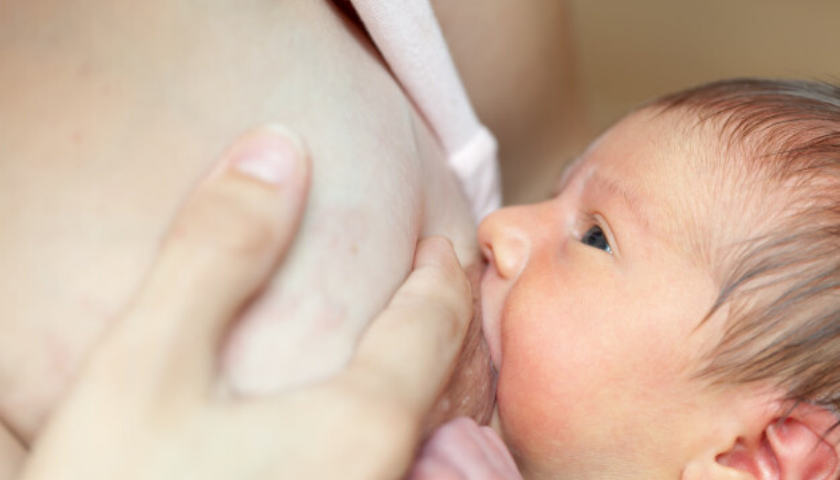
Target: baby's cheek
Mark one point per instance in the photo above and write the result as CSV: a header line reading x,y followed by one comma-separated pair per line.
x,y
531,420
541,403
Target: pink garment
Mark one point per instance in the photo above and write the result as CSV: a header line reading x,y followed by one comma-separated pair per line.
x,y
409,38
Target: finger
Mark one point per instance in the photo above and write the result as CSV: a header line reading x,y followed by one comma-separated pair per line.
x,y
222,246
408,352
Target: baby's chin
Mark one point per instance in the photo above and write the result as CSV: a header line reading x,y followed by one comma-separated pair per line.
x,y
471,391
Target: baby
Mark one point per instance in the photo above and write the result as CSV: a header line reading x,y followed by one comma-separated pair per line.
x,y
674,312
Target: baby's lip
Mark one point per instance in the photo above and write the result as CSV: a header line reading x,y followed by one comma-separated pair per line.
x,y
491,303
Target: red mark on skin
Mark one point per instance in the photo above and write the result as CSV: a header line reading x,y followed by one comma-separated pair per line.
x,y
342,229
77,138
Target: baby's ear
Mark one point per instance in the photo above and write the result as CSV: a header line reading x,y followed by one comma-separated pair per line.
x,y
801,446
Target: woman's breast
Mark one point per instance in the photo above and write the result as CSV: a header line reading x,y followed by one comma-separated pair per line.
x,y
111,115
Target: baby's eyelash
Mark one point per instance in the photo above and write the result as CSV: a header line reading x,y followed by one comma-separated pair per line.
x,y
587,221
594,234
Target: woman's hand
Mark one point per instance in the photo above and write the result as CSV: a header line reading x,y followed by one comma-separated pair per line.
x,y
145,405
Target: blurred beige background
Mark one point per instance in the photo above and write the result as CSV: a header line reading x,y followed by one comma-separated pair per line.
x,y
629,51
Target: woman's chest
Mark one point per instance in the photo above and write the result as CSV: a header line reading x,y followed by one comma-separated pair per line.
x,y
102,141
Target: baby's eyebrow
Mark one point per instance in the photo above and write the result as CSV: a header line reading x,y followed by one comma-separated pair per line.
x,y
632,198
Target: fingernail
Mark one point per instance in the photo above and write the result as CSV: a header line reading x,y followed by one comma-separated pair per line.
x,y
268,155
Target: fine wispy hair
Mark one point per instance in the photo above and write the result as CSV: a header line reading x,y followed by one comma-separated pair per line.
x,y
780,287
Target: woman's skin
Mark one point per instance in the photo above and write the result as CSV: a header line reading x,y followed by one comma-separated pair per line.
x,y
89,188
149,380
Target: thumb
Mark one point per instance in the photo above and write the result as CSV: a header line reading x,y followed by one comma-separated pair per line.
x,y
221,248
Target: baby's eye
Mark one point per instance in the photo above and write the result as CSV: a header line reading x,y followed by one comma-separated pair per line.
x,y
594,237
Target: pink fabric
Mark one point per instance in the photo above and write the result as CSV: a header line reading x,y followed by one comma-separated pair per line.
x,y
409,38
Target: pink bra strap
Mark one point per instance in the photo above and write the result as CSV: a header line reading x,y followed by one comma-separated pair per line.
x,y
409,38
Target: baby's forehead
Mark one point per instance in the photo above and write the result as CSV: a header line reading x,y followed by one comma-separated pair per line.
x,y
696,187
661,157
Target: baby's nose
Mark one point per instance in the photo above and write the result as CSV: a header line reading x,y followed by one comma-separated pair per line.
x,y
504,240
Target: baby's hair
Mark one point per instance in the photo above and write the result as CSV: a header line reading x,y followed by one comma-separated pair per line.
x,y
780,289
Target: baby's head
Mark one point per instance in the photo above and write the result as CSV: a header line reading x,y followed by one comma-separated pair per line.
x,y
675,310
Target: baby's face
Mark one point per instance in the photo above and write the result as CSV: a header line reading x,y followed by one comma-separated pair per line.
x,y
591,306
